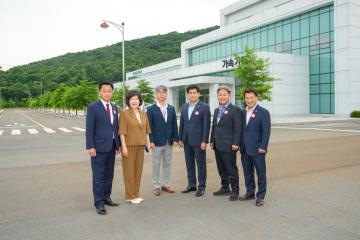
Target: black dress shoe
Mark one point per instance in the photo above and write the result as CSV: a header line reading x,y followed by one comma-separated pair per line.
x,y
234,196
222,192
111,203
259,202
247,197
101,210
189,189
200,192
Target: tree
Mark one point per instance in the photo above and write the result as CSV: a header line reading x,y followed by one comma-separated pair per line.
x,y
45,100
118,95
85,93
253,72
56,100
146,91
69,97
34,103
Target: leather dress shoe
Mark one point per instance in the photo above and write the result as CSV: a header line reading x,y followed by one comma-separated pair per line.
x,y
234,196
200,192
167,189
109,202
259,202
247,197
101,210
189,189
222,192
156,192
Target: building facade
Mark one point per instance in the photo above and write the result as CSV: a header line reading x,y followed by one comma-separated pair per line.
x,y
313,47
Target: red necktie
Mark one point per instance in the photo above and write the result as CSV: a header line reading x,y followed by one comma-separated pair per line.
x,y
108,111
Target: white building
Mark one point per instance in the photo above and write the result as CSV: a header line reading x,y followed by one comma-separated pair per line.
x,y
313,47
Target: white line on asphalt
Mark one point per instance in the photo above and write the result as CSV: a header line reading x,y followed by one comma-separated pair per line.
x,y
15,132
33,120
79,129
1,132
65,130
49,130
10,126
319,129
33,131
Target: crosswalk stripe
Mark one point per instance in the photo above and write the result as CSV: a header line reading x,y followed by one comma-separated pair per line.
x,y
33,131
16,132
65,130
1,132
49,130
79,129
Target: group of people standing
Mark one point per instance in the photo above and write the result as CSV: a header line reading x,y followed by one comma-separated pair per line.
x,y
134,131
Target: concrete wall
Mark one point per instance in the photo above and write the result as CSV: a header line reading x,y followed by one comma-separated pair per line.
x,y
290,93
347,56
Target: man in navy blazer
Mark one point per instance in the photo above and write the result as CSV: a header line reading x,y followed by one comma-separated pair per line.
x,y
225,140
102,142
164,134
256,135
194,136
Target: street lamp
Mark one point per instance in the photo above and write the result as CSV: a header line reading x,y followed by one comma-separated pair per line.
x,y
104,25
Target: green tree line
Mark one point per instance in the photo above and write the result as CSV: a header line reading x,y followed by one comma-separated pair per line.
x,y
21,84
76,98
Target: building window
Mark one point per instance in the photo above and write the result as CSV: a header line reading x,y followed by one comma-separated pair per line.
x,y
308,34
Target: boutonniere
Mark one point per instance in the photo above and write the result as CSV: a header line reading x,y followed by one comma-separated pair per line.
x,y
253,115
114,111
197,113
226,112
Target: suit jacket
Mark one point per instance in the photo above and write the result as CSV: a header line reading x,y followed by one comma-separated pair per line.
x,y
134,131
257,133
100,133
196,130
162,132
228,131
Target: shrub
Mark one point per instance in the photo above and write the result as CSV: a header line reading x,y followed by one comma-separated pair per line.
x,y
355,114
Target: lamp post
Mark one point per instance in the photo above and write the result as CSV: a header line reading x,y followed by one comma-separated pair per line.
x,y
104,25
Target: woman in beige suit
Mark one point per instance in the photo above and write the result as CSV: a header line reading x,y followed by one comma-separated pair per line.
x,y
134,133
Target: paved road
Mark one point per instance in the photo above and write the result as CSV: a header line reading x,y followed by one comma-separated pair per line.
x,y
45,186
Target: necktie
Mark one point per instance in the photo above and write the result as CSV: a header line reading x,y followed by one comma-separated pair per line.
x,y
164,113
220,113
108,111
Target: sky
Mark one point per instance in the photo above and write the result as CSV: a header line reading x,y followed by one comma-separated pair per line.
x,y
33,30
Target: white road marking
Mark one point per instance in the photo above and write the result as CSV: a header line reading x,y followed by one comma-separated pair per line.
x,y
318,129
49,130
33,120
33,131
1,132
79,129
65,130
15,132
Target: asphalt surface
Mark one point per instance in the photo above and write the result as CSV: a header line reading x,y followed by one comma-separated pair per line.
x,y
45,186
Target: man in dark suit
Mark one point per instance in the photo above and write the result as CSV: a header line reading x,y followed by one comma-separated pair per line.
x,y
164,134
225,140
194,136
102,142
256,134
